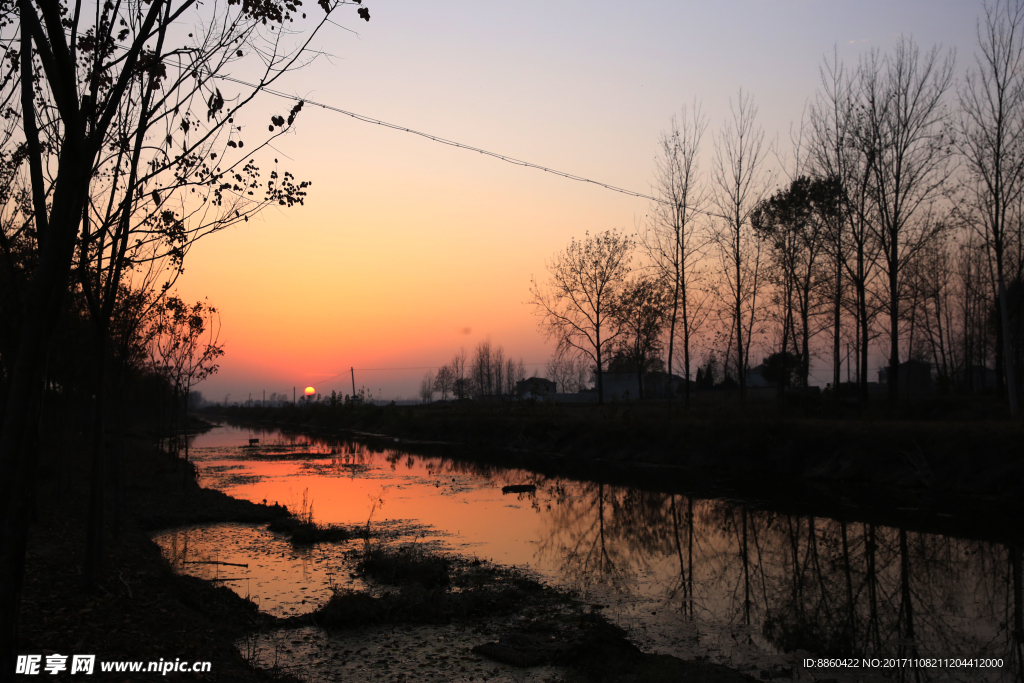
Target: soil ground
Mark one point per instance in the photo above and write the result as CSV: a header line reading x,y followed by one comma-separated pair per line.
x,y
138,608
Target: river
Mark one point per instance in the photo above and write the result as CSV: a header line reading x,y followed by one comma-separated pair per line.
x,y
757,590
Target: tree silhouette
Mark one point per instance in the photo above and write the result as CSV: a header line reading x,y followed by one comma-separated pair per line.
x,y
128,138
794,222
443,381
674,240
904,132
740,183
641,311
185,339
577,302
991,141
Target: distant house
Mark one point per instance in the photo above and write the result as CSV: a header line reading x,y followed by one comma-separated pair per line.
x,y
657,385
981,378
915,378
755,377
535,387
619,386
625,386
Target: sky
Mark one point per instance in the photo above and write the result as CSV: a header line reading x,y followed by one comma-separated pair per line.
x,y
407,250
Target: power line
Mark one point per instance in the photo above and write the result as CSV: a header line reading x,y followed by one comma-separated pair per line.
x,y
459,145
454,143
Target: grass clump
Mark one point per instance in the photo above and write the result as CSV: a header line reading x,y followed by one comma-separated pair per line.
x,y
307,532
405,565
427,587
302,530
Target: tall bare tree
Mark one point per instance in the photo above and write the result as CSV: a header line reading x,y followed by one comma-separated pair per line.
x,y
851,246
568,369
904,132
482,370
991,142
673,239
740,182
576,302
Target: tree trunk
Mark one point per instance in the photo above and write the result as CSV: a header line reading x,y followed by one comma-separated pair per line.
x,y
94,530
46,298
1004,320
893,376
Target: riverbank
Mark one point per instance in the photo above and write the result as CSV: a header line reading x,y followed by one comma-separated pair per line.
x,y
138,609
939,467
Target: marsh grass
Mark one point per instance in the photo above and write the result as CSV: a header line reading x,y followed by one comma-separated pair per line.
x,y
406,564
302,530
428,587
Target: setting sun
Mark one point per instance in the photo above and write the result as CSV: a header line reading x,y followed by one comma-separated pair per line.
x,y
310,391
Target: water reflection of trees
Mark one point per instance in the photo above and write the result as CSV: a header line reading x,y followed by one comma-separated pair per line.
x,y
829,587
826,586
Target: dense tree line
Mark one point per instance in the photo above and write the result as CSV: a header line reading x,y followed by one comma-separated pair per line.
x,y
489,374
894,232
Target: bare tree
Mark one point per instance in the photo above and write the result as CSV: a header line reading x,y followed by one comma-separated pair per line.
x,y
514,373
852,246
427,387
498,371
459,380
185,339
641,311
673,239
904,134
575,304
563,370
444,381
740,183
480,371
934,290
991,142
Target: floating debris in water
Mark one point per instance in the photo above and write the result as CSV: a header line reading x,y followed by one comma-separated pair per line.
x,y
519,488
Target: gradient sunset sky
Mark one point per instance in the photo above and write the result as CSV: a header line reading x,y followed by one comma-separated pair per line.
x,y
407,249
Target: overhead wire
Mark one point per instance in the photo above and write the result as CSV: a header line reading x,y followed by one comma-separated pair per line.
x,y
456,144
450,143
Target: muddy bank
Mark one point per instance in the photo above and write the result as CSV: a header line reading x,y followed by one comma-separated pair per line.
x,y
490,619
959,476
138,609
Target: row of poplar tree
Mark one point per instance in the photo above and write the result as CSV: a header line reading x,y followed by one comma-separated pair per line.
x,y
895,231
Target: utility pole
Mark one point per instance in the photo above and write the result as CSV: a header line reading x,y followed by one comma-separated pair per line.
x,y
353,369
294,402
264,398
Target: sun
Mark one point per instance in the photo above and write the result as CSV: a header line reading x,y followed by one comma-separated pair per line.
x,y
310,391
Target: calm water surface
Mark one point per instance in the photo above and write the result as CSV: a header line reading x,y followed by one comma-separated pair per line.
x,y
752,589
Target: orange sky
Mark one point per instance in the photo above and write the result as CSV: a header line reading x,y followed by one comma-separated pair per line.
x,y
404,243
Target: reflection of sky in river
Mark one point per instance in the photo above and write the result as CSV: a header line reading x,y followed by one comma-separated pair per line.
x,y
688,576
